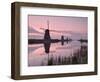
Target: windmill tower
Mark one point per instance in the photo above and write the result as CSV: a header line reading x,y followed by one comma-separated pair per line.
x,y
47,33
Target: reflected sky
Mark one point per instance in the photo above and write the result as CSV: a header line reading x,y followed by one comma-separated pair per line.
x,y
38,56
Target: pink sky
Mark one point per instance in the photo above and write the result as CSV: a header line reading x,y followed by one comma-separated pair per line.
x,y
76,25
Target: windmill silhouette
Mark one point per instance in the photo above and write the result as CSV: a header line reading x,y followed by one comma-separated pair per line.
x,y
47,34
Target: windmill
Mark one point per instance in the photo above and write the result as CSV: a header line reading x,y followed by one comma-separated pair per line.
x,y
48,30
47,33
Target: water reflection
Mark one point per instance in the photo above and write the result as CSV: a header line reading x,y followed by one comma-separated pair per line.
x,y
59,53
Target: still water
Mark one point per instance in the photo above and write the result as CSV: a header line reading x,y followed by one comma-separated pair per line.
x,y
66,53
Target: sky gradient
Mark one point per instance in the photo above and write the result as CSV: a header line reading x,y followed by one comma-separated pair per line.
x,y
74,27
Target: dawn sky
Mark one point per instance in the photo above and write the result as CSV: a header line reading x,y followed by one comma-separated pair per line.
x,y
74,27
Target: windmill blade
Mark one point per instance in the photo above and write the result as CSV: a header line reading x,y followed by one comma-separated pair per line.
x,y
42,28
62,31
57,31
51,30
